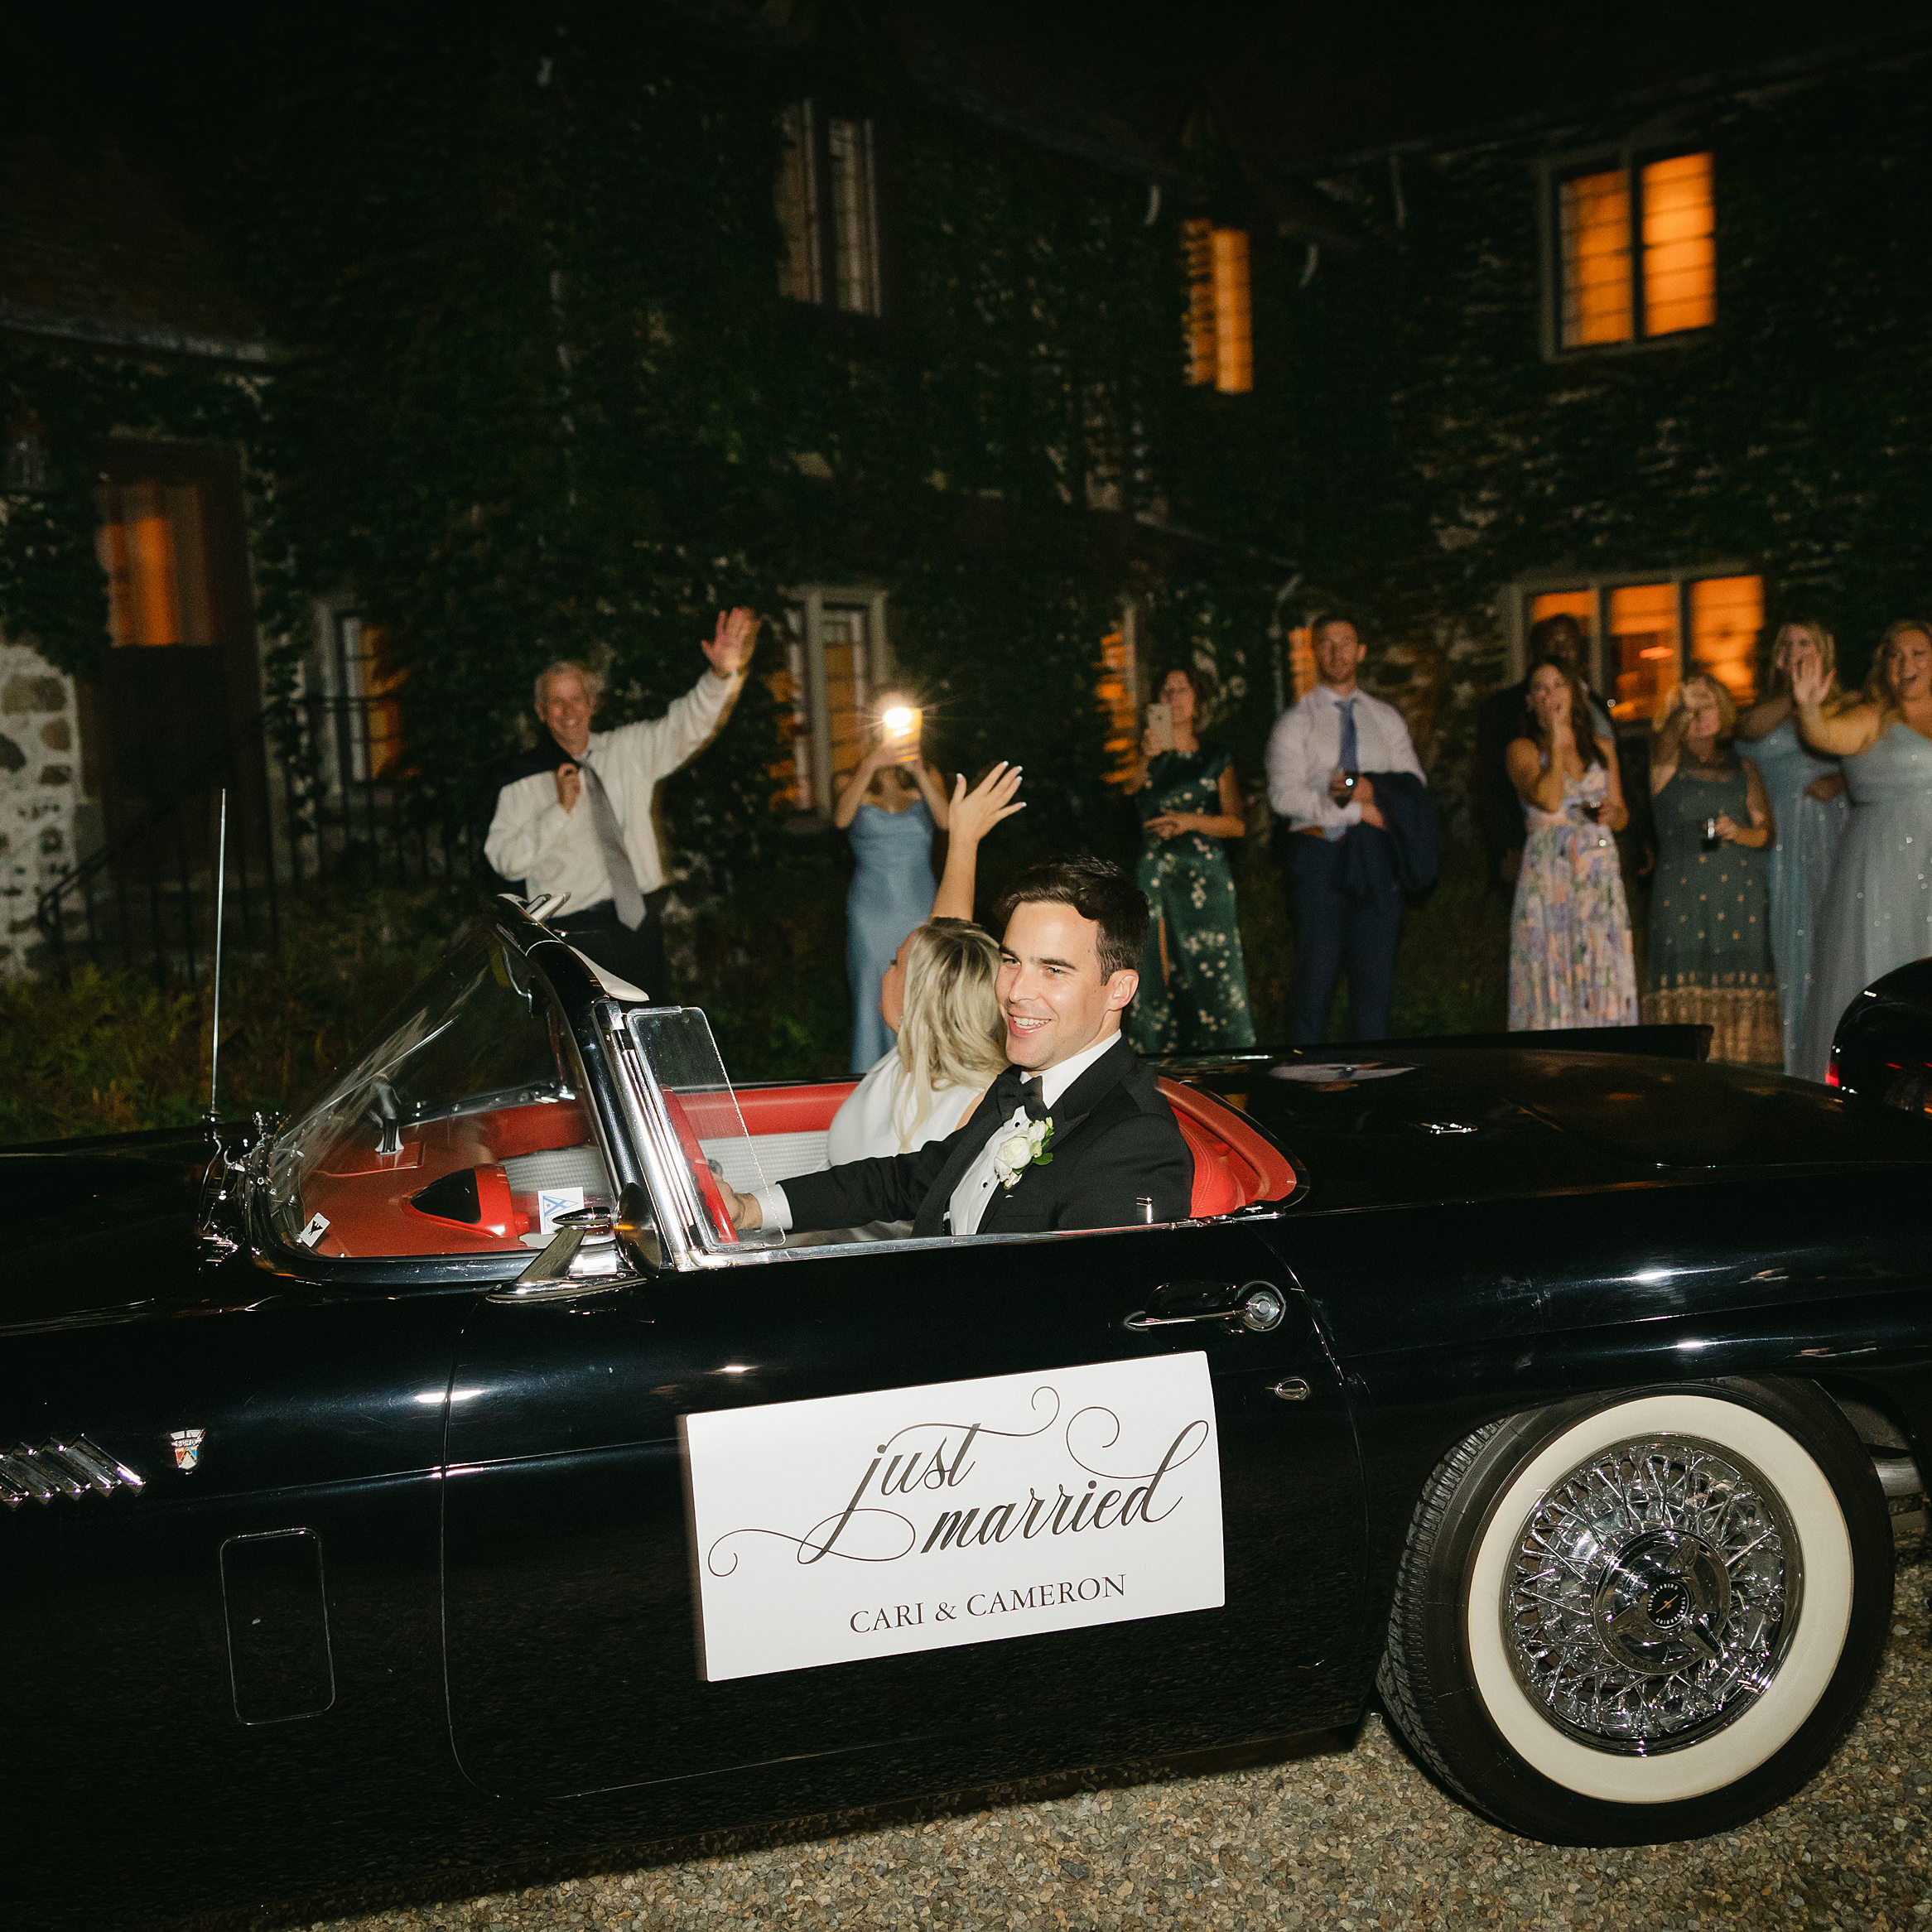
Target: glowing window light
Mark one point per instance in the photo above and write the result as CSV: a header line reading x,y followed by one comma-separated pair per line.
x,y
1594,220
1220,331
1680,245
1115,691
1198,261
1234,326
1726,616
1643,649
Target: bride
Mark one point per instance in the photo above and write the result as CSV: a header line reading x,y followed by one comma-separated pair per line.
x,y
937,995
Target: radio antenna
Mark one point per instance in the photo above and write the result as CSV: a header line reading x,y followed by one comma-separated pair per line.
x,y
220,917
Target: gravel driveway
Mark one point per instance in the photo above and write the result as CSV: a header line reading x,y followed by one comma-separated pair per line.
x,y
1331,1837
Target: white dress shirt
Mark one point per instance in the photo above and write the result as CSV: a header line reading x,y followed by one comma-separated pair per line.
x,y
533,838
977,1184
866,1125
1304,753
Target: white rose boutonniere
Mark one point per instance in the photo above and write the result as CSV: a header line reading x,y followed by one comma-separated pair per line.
x,y
1024,1147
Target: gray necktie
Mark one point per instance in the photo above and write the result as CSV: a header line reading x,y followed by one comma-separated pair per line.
x,y
624,882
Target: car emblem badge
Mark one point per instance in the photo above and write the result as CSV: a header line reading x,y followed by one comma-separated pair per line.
x,y
187,1444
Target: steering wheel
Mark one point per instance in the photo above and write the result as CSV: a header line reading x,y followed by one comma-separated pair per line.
x,y
701,1169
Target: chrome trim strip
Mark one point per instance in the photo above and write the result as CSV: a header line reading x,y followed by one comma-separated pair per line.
x,y
750,1253
74,1468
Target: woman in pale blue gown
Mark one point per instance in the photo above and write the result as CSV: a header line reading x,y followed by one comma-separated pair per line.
x,y
1877,911
1809,811
890,808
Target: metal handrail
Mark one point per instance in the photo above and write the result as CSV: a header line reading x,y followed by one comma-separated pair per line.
x,y
155,816
305,810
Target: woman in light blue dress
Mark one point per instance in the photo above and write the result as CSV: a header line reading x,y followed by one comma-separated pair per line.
x,y
890,808
1808,809
1877,911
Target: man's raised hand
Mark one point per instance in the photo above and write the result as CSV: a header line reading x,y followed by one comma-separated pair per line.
x,y
729,648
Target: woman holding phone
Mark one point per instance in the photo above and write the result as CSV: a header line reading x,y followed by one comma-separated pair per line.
x,y
1570,958
889,808
1193,994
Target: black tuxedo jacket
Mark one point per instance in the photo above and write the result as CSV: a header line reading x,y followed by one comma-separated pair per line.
x,y
1115,1140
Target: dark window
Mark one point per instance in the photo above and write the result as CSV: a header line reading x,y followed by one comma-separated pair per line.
x,y
828,197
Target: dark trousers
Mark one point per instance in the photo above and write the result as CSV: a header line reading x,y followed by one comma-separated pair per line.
x,y
1336,931
637,956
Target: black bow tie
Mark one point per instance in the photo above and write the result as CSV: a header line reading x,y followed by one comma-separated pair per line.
x,y
1014,1088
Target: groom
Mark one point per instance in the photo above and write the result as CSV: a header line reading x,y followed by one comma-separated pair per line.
x,y
1074,1133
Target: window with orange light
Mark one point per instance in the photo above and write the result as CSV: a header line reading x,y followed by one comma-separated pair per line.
x,y
1636,251
1726,617
1220,343
370,721
153,546
1655,632
1301,662
1116,690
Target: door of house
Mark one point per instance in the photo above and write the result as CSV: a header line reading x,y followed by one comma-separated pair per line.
x,y
181,682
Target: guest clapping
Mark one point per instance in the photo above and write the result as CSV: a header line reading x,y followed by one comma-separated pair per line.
x,y
1877,911
1570,957
1710,952
937,994
890,808
1807,795
1193,993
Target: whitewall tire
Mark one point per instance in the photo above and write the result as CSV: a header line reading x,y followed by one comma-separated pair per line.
x,y
1643,1616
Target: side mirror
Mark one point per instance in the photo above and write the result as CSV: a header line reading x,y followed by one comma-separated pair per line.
x,y
593,1248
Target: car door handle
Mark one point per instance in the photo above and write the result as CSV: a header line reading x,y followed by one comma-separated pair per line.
x,y
1257,1305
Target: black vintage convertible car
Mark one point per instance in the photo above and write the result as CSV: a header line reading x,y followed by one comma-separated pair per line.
x,y
435,1483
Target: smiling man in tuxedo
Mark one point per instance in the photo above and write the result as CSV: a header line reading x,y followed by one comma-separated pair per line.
x,y
1074,1133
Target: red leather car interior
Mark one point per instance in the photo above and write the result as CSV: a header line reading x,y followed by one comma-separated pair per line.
x,y
368,1197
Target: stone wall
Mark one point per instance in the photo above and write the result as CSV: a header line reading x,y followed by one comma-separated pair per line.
x,y
39,760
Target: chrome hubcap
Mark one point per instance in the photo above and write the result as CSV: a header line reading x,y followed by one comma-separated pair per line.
x,y
1653,1591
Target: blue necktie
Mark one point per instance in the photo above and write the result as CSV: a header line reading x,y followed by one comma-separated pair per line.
x,y
1349,759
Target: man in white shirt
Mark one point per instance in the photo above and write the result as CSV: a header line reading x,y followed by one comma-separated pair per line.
x,y
1074,1133
1323,758
585,829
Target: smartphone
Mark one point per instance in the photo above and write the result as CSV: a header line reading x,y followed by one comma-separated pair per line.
x,y
1160,726
899,726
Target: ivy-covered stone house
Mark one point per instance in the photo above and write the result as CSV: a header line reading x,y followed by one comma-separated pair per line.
x,y
129,371
1663,360
990,374
583,327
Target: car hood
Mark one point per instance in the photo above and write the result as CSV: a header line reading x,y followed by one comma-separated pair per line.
x,y
1440,1124
100,1229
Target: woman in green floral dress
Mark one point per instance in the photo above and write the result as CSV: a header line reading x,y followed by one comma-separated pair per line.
x,y
1193,994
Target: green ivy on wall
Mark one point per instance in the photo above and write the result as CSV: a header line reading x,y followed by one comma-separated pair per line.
x,y
53,593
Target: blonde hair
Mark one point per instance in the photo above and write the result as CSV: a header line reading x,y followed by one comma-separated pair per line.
x,y
950,1033
1727,705
1779,677
1878,682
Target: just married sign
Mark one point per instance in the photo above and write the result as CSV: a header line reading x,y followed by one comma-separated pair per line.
x,y
955,1513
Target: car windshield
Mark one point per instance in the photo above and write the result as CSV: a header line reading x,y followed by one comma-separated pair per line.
x,y
697,1123
455,1130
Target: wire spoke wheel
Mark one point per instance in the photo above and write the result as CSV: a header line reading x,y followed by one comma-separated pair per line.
x,y
1641,1617
1651,1594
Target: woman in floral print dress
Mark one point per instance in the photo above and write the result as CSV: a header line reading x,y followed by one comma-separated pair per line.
x,y
1570,958
1193,994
